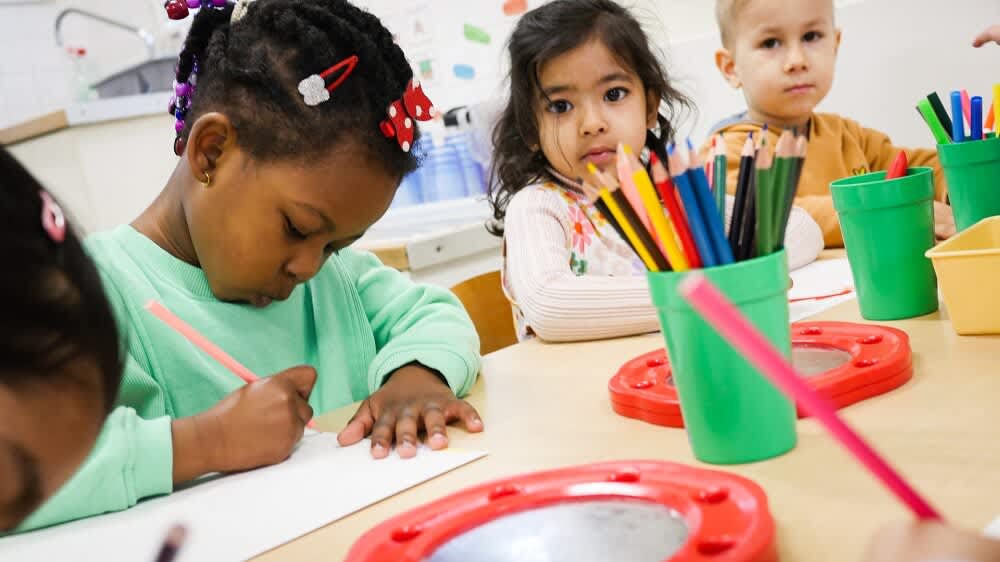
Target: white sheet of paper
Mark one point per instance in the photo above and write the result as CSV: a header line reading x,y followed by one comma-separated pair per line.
x,y
242,515
820,279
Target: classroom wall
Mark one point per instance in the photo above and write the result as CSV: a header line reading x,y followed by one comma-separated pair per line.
x,y
35,74
110,172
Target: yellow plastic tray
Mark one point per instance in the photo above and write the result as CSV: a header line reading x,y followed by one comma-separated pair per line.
x,y
968,271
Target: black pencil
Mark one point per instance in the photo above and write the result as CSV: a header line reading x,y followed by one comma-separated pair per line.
x,y
939,110
742,189
640,230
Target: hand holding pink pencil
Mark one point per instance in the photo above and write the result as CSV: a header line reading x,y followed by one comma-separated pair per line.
x,y
711,304
213,351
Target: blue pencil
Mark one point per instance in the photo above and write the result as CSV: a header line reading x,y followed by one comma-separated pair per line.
x,y
695,217
957,117
709,209
976,121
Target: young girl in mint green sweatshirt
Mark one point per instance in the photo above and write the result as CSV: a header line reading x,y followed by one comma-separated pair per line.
x,y
294,123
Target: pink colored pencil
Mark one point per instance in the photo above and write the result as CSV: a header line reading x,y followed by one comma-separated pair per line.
x,y
213,351
745,338
967,107
631,191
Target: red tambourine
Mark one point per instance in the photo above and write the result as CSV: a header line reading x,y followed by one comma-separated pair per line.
x,y
642,511
845,362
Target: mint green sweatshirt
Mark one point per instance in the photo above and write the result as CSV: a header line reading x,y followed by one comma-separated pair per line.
x,y
356,322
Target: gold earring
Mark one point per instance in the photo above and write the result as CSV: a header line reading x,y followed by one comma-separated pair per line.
x,y
207,182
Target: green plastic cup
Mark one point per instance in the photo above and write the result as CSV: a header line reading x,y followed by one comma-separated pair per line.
x,y
972,171
732,413
888,226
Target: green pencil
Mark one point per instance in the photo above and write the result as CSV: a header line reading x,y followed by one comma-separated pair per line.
x,y
721,174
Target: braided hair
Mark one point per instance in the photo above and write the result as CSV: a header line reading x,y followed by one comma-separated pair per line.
x,y
249,71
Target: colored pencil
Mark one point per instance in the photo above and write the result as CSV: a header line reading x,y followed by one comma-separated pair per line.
x,y
594,197
899,166
783,166
931,118
734,327
678,168
765,197
621,211
661,224
798,162
976,118
957,122
990,117
668,195
628,187
721,167
966,107
203,343
708,208
995,111
742,190
935,101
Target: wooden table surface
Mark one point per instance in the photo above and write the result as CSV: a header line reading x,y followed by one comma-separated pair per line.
x,y
546,406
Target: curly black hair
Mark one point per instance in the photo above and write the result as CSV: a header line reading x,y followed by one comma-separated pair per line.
x,y
541,35
56,312
250,71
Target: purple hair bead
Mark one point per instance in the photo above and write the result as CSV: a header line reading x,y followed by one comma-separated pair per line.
x,y
183,89
179,126
219,3
194,4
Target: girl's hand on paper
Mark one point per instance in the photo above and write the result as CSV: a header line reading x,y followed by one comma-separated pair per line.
x,y
944,221
414,398
991,33
924,541
256,425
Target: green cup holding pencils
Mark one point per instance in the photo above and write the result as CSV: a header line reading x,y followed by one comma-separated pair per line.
x,y
732,414
888,226
972,170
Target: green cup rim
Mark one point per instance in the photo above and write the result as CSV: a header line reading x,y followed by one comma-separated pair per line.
x,y
742,282
967,153
872,191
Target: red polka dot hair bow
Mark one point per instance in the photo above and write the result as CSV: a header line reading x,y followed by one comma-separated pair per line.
x,y
413,105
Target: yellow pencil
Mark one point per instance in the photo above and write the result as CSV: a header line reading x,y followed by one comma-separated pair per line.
x,y
629,231
619,216
663,226
996,108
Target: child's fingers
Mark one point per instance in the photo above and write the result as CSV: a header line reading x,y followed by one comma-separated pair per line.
x,y
462,410
406,433
304,411
435,422
382,434
359,426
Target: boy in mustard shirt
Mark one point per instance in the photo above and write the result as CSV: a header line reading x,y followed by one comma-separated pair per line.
x,y
782,53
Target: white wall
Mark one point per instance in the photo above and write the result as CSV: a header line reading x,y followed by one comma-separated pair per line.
x,y
894,52
35,73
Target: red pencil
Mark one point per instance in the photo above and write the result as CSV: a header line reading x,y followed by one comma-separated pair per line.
x,y
668,194
899,167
